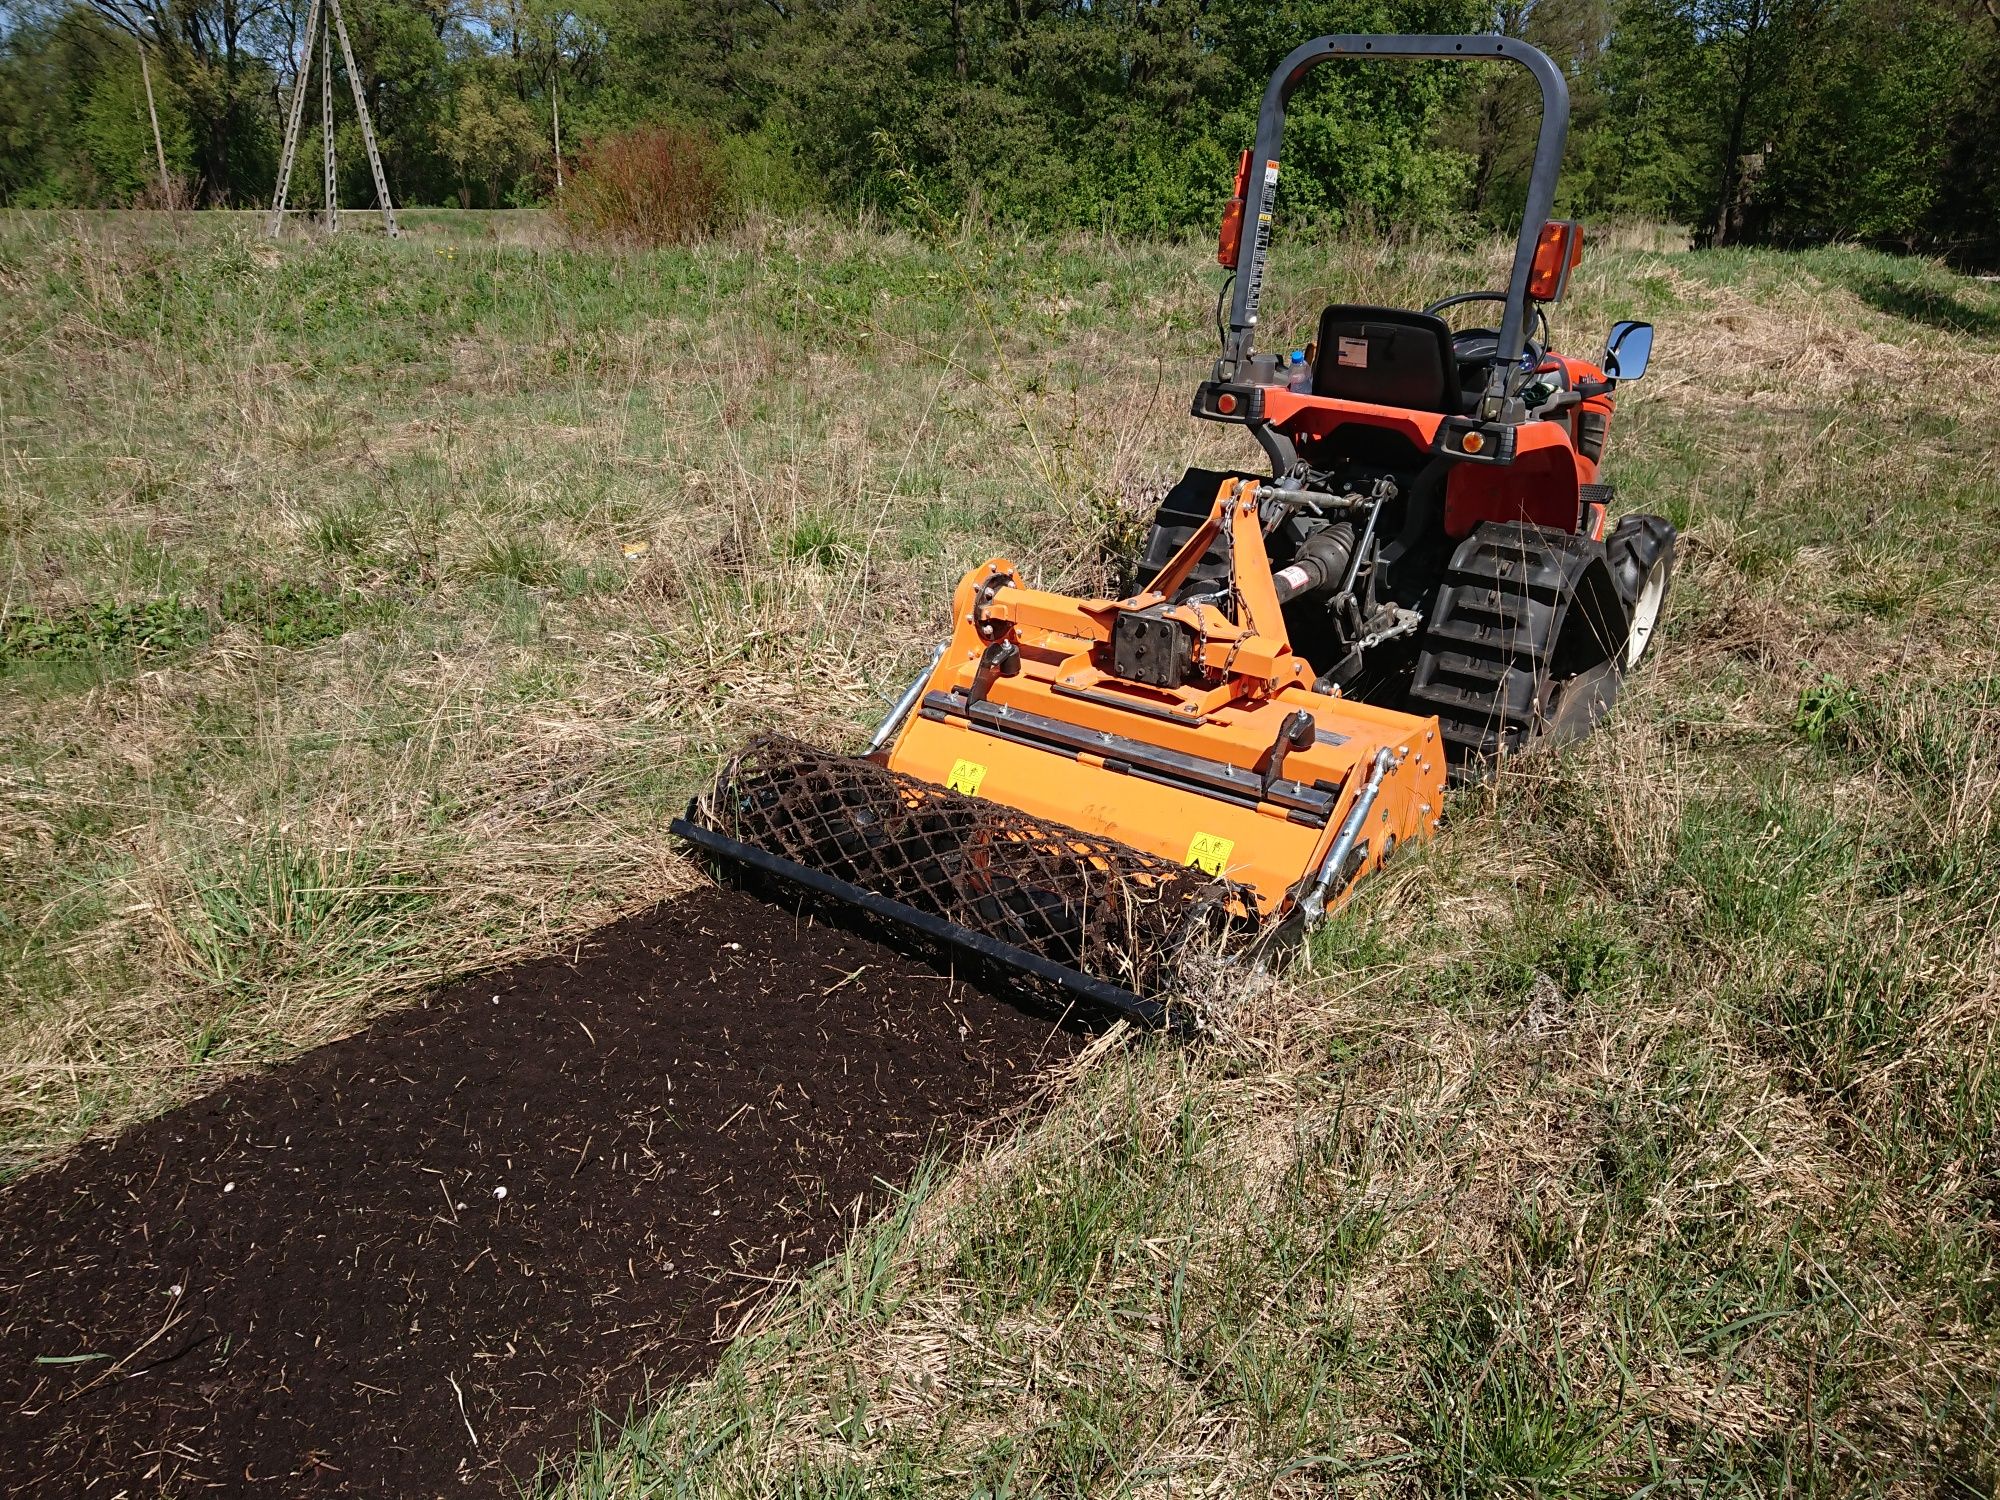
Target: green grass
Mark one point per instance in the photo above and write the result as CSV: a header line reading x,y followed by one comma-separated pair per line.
x,y
96,629
369,608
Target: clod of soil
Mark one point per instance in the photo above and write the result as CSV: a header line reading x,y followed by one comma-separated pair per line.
x,y
410,1263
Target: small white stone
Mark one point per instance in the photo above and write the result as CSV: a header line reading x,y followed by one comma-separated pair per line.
x,y
229,1187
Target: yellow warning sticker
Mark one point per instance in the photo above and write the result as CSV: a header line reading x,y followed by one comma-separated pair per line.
x,y
1209,853
965,777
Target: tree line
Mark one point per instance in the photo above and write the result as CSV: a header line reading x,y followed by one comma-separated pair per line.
x,y
1784,121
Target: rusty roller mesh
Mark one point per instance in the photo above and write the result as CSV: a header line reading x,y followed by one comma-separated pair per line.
x,y
1088,902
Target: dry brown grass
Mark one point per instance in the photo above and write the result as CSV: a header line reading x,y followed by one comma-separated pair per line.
x,y
1590,1229
1639,1131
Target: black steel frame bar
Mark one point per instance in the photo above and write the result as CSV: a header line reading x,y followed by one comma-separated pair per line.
x,y
1256,240
1112,997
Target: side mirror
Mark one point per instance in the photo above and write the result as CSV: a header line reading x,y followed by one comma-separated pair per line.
x,y
1627,350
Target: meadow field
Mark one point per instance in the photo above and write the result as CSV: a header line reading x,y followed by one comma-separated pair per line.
x,y
368,607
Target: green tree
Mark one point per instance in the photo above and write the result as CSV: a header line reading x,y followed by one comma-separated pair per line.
x,y
1788,120
1120,113
1641,147
407,76
491,139
41,62
1965,217
117,133
214,55
1876,101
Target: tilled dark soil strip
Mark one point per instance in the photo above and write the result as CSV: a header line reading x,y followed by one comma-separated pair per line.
x,y
419,1256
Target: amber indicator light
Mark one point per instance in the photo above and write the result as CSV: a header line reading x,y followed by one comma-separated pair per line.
x,y
1558,249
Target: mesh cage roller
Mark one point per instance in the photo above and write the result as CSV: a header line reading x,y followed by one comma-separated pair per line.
x,y
1089,903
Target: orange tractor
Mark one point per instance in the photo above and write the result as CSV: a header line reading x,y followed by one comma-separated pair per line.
x,y
1090,790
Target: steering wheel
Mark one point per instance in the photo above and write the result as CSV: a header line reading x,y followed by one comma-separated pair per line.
x,y
1532,350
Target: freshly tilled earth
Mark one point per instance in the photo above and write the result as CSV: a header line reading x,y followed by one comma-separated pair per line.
x,y
411,1263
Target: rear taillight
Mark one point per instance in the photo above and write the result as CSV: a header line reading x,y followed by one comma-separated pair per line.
x,y
1482,442
1216,402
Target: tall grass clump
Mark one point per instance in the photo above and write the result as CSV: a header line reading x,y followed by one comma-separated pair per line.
x,y
655,185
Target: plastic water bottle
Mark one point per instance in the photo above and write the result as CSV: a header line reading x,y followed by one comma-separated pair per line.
x,y
1299,375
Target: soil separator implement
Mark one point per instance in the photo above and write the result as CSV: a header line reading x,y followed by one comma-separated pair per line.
x,y
1090,790
1095,792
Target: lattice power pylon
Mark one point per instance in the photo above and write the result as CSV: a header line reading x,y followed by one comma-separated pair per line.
x,y
323,22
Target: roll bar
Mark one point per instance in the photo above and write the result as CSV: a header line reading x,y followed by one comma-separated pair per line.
x,y
1263,179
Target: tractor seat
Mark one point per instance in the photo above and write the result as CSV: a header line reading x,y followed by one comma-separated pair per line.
x,y
1389,356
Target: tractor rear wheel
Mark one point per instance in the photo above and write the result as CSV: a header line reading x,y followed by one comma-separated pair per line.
x,y
1641,552
1525,641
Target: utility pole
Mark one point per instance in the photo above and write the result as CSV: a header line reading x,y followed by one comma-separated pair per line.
x,y
331,198
153,114
555,114
323,22
367,125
